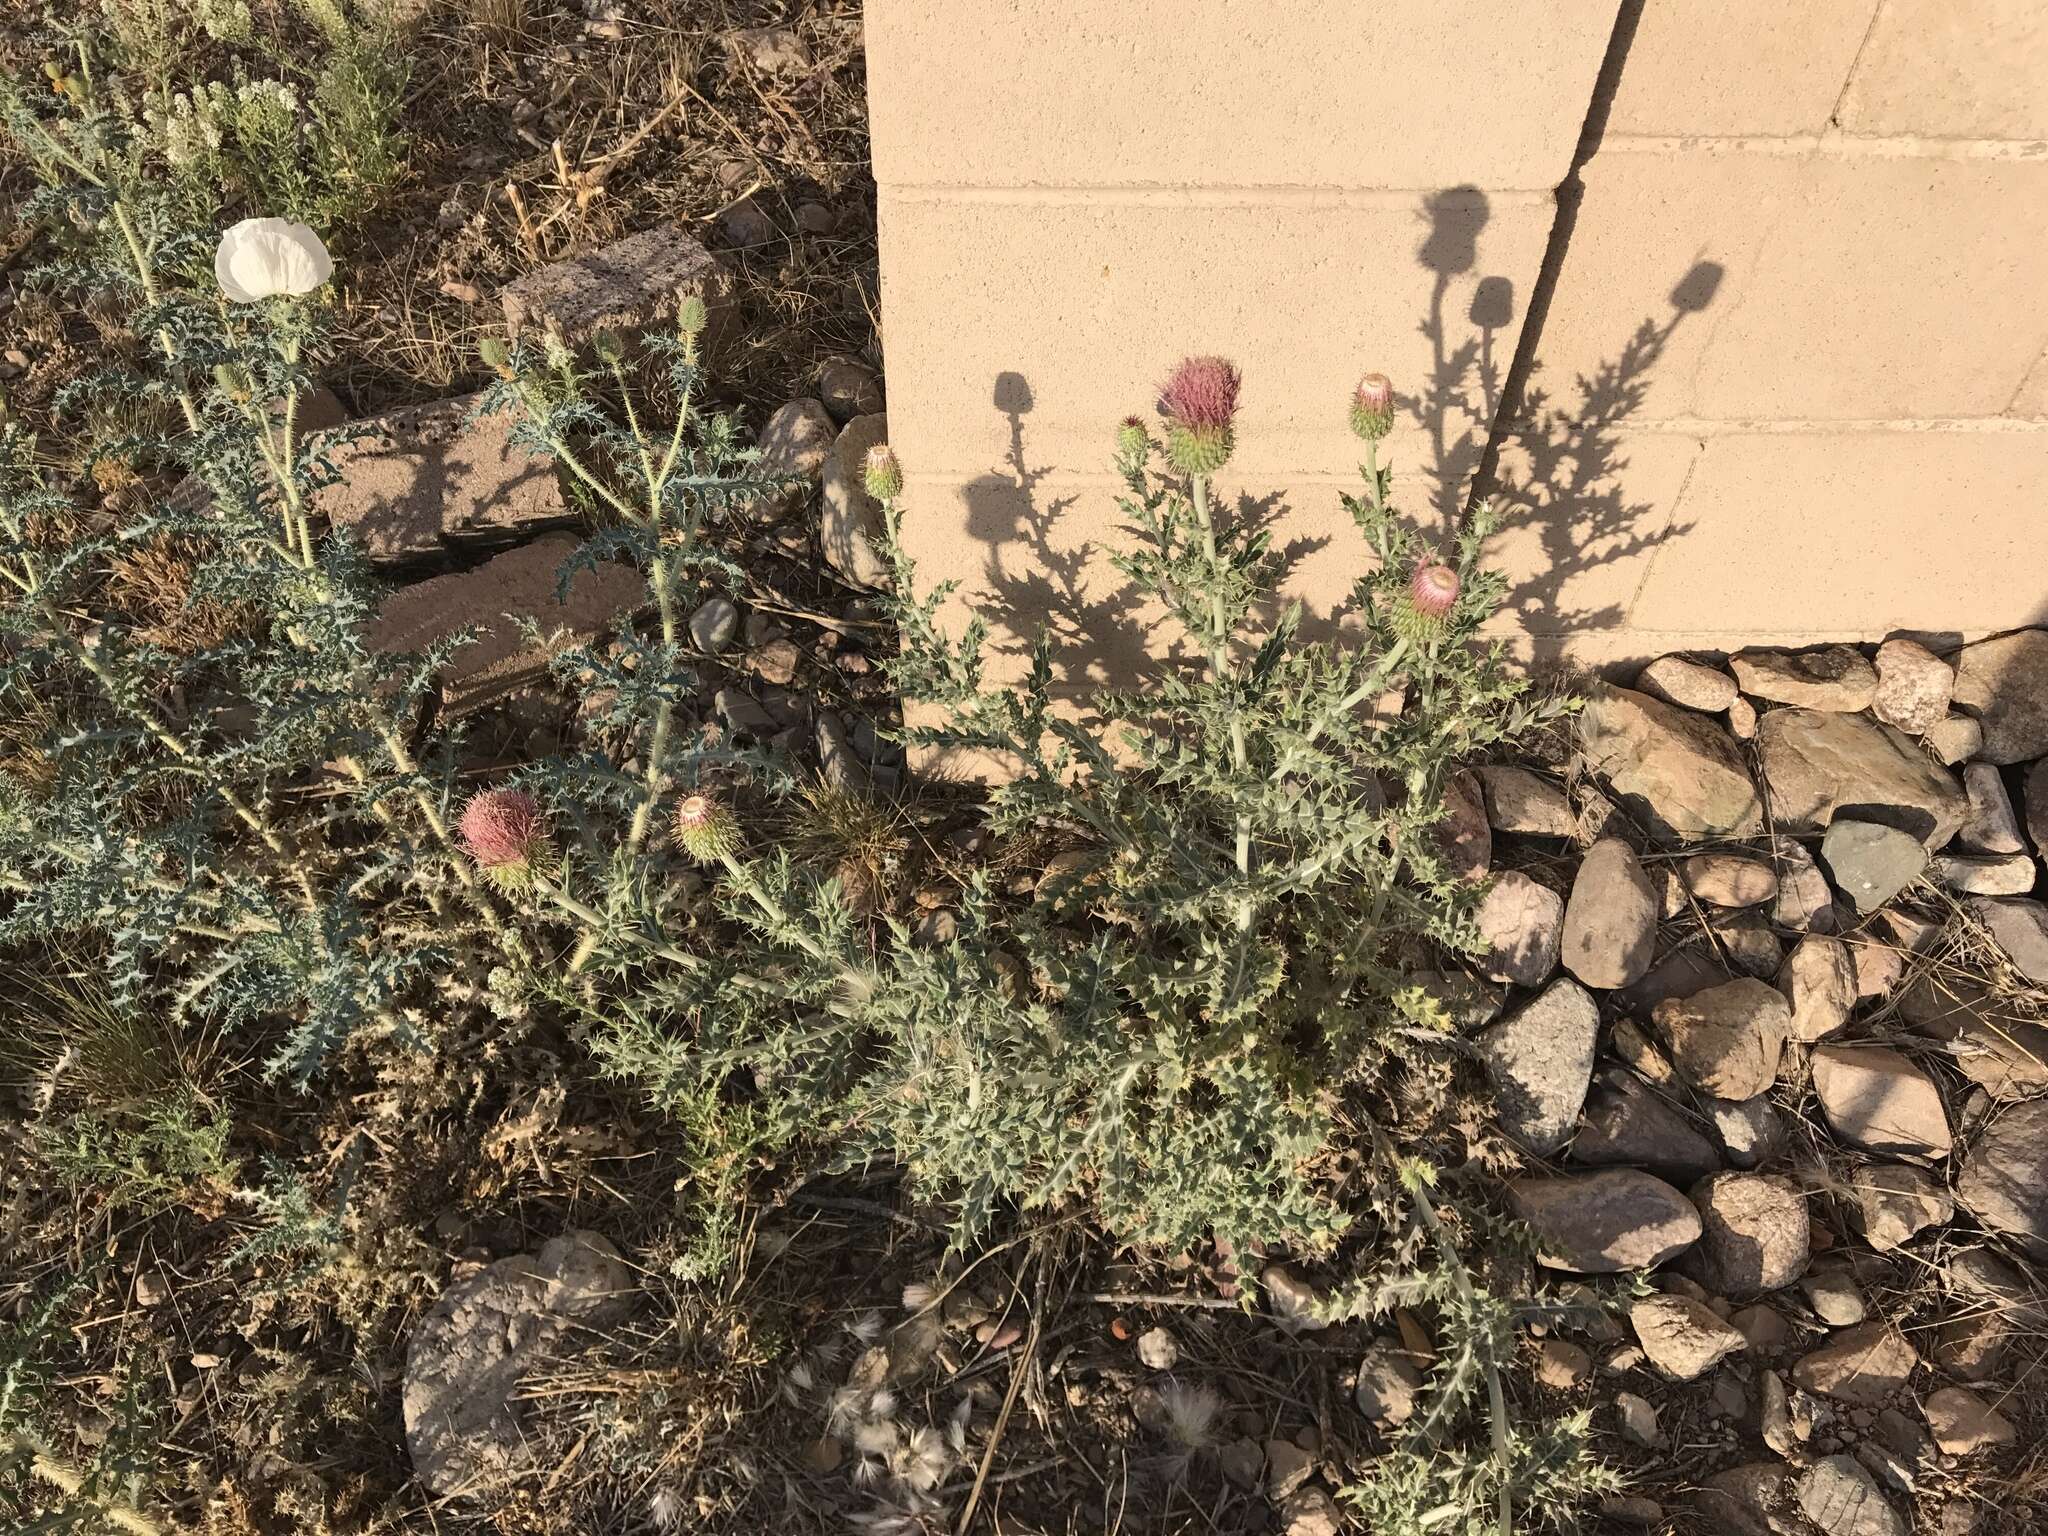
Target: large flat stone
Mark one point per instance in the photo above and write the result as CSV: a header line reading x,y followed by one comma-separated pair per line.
x,y
1818,765
1679,773
417,480
2004,1177
1878,1100
2004,683
1541,1059
629,285
520,584
1606,1222
1727,1040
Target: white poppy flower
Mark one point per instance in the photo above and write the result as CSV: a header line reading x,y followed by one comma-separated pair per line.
x,y
262,257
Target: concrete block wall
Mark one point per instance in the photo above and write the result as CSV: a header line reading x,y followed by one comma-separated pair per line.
x,y
1773,362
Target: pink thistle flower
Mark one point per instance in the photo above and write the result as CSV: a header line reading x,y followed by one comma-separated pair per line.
x,y
1372,407
1433,588
507,835
1199,402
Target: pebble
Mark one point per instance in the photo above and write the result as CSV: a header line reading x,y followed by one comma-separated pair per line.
x,y
1989,826
1291,1300
1755,1236
1561,1365
1819,982
1158,1350
1540,1060
1730,879
849,389
1691,684
1955,739
1963,1423
1876,1099
1862,1366
1870,863
1521,802
1638,1418
713,625
1913,687
1521,924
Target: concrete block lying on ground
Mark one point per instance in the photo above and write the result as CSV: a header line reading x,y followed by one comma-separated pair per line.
x,y
519,584
418,479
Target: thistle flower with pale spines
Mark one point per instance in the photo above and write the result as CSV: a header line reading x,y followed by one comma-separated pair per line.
x,y
1133,442
507,834
882,473
1372,407
691,315
1199,403
496,355
609,349
705,828
1422,612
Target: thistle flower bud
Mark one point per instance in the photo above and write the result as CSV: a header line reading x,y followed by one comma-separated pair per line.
x,y
233,382
882,473
1133,442
705,828
1372,407
507,835
691,316
556,346
609,348
1424,610
1199,402
496,355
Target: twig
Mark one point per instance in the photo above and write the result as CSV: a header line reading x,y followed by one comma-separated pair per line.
x,y
1026,1358
1142,1299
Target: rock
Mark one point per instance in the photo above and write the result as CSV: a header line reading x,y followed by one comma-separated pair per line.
x,y
2005,1055
1963,1423
1835,677
1975,1273
2004,1177
1817,765
1628,1125
849,389
852,519
1774,1415
1521,802
1682,1337
1158,1350
1985,874
1842,1499
1894,1201
746,225
1634,1048
2004,683
1680,973
2034,796
1879,967
1955,739
418,481
1464,835
713,625
1869,863
1863,1366
1990,826
1818,980
1689,684
1310,1512
520,584
1753,1233
1631,1509
467,1355
1387,1385
1727,1039
1752,1132
1958,1518
838,762
772,50
1610,921
1747,1500
1742,719
1540,1060
1521,923
1763,1327
1876,1099
1606,1222
743,714
1562,1366
627,286
1805,899
1638,1418
1833,1295
1242,1461
1730,879
1752,948
794,446
1971,1347
1677,773
1470,1002
1288,1466
1291,1300
1913,687
2020,926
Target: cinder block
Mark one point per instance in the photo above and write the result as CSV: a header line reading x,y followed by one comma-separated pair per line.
x,y
1854,286
1969,69
1317,93
1737,67
1891,288
1858,533
1022,332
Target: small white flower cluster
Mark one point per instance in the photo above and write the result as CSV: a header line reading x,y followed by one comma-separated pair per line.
x,y
225,21
188,130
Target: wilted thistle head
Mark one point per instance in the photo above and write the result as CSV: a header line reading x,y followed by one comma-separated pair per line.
x,y
1425,608
882,472
704,827
496,355
508,837
608,347
1199,402
1372,407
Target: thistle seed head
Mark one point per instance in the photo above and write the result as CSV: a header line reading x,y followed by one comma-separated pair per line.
x,y
704,827
882,473
1372,407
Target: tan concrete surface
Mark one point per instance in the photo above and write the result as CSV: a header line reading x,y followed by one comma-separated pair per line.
x,y
1791,385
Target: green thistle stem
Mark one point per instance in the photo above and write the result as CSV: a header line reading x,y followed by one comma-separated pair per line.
x,y
1219,669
